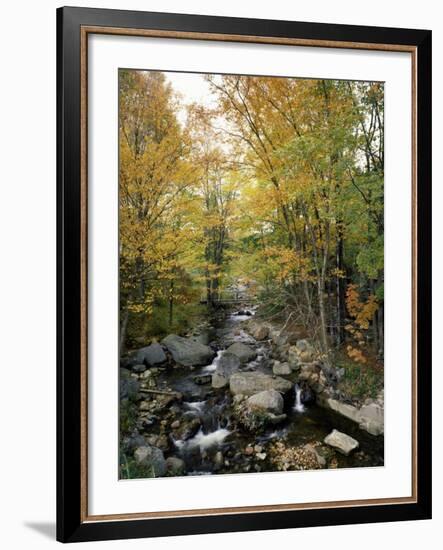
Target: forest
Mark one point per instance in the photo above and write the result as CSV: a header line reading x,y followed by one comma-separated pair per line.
x,y
270,194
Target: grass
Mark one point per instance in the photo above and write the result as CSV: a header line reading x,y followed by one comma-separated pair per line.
x,y
128,416
129,469
361,381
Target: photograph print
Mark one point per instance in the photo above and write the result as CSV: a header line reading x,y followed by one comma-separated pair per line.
x,y
251,274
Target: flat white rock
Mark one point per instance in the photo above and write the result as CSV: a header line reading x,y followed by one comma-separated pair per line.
x,y
344,444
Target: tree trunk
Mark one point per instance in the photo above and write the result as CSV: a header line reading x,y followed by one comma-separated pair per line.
x,y
381,331
374,320
208,288
340,290
308,302
321,306
123,328
171,302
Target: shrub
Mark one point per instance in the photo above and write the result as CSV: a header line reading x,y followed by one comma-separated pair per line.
x,y
361,380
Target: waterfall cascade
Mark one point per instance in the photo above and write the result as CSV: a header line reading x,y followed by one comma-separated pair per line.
x,y
298,405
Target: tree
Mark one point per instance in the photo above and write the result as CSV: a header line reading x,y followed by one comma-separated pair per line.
x,y
280,185
153,179
215,192
301,143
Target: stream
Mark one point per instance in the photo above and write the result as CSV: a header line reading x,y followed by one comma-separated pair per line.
x,y
219,446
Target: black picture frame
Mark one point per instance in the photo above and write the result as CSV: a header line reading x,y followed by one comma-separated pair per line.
x,y
71,524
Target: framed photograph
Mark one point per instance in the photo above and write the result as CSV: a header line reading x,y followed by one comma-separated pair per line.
x,y
244,274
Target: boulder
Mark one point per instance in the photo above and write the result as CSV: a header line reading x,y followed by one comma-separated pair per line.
x,y
281,353
242,351
162,442
227,364
310,373
372,419
369,418
189,426
293,358
260,332
349,411
139,369
343,443
372,426
302,352
219,380
175,466
373,411
129,388
332,374
131,442
218,459
268,400
306,356
281,339
151,355
303,345
322,399
248,383
151,458
202,338
281,369
274,334
256,413
128,361
187,352
322,383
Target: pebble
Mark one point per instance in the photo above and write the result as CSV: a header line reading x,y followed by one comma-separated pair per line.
x,y
249,450
175,424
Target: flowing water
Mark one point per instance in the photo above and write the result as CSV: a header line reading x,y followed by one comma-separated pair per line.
x,y
298,405
218,447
